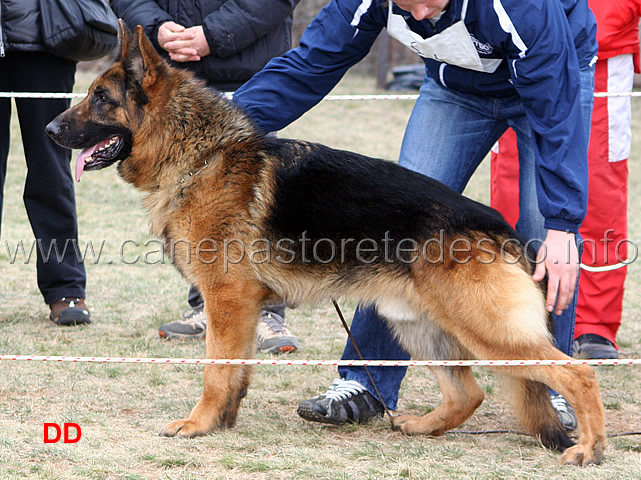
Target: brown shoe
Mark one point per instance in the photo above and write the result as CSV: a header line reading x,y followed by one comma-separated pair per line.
x,y
70,311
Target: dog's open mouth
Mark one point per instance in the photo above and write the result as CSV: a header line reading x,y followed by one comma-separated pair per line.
x,y
99,156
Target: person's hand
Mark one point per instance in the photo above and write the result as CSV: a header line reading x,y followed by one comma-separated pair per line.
x,y
183,44
558,256
199,41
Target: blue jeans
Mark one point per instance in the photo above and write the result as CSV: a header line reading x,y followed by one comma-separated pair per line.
x,y
447,137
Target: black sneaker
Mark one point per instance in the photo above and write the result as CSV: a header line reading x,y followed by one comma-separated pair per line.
x,y
346,401
564,411
591,346
193,325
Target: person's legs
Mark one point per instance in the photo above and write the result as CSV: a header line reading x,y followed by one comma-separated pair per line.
x,y
375,342
51,211
531,226
5,140
272,335
447,137
531,221
449,134
194,298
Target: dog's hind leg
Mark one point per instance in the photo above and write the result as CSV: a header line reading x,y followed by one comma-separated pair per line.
x,y
232,313
577,383
423,338
495,311
531,404
461,397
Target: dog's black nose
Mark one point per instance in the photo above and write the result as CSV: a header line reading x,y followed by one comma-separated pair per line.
x,y
53,129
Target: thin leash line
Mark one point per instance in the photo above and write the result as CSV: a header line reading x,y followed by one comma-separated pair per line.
x,y
52,95
312,362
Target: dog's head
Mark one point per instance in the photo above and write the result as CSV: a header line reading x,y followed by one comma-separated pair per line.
x,y
103,125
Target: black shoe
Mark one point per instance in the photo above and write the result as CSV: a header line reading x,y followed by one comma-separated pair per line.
x,y
346,401
591,346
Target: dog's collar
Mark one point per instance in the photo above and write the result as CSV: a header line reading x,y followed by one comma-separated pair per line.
x,y
183,179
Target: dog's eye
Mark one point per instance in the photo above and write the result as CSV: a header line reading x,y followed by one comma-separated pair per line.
x,y
100,97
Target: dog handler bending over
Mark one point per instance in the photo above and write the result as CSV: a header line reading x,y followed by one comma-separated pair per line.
x,y
525,64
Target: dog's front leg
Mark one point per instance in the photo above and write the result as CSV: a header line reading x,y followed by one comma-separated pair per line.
x,y
232,313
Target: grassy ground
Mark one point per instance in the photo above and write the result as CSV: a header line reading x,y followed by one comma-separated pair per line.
x,y
121,408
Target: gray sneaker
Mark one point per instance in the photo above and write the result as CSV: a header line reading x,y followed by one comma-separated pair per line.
x,y
564,411
193,325
346,401
272,335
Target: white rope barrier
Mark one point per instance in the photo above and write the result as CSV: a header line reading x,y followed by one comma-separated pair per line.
x,y
41,95
294,362
327,98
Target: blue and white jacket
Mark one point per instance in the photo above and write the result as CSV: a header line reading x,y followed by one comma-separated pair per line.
x,y
544,44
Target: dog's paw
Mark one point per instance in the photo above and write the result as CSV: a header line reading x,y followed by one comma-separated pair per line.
x,y
582,456
184,428
430,424
408,424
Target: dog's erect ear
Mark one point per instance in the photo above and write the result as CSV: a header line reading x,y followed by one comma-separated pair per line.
x,y
139,57
152,62
124,38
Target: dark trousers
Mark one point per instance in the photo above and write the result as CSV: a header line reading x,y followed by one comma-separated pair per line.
x,y
48,194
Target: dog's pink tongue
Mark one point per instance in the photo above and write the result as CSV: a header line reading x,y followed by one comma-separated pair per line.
x,y
80,160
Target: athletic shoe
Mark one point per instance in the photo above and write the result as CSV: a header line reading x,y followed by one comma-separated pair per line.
x,y
564,411
346,401
70,311
193,325
272,335
591,345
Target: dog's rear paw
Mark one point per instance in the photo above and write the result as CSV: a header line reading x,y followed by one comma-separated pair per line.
x,y
184,428
582,456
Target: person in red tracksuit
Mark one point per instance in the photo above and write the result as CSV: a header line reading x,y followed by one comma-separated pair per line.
x,y
604,231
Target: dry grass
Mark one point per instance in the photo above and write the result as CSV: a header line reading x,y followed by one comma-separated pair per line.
x,y
122,407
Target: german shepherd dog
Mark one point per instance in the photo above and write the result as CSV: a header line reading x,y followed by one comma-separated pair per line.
x,y
306,223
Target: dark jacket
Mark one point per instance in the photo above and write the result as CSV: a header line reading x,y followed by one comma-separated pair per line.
x,y
20,26
243,35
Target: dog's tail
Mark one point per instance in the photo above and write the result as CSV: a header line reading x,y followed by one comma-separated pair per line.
x,y
531,403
